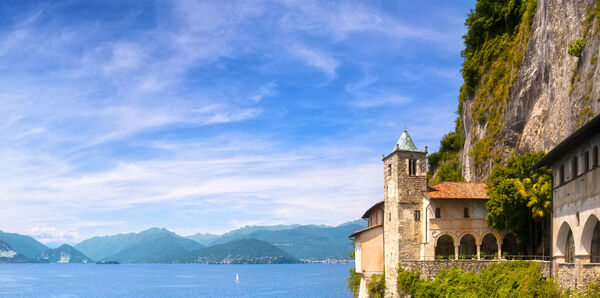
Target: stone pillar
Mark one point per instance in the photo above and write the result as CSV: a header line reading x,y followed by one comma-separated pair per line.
x,y
478,251
456,252
499,250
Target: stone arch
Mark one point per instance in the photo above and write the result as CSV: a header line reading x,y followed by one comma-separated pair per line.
x,y
510,244
590,238
467,246
565,243
444,246
489,245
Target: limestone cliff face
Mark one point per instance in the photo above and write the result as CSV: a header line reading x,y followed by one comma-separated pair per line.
x,y
552,94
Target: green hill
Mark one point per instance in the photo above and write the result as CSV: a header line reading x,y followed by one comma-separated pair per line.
x,y
151,246
24,245
245,251
307,242
64,253
9,255
246,231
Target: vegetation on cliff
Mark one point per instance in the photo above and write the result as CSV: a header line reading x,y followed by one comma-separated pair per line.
x,y
520,199
502,279
495,43
444,165
576,48
497,35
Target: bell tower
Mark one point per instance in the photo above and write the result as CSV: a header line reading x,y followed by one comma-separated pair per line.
x,y
405,180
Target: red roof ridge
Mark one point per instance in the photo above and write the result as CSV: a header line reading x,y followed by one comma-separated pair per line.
x,y
457,190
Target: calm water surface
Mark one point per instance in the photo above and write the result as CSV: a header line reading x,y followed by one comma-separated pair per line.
x,y
91,280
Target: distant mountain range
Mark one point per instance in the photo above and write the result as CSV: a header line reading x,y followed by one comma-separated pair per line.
x,y
245,251
306,242
248,245
63,254
8,254
151,246
15,248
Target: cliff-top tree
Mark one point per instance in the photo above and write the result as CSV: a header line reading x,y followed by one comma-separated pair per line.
x,y
520,198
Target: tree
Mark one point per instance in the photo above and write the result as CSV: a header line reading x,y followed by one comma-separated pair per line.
x,y
520,198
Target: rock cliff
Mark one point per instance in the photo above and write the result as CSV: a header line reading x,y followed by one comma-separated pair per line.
x,y
549,93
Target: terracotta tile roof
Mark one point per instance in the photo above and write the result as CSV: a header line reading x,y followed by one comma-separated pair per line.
x,y
364,230
457,190
368,212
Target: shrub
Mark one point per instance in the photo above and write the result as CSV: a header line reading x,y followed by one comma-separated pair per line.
x,y
377,285
504,279
353,282
576,47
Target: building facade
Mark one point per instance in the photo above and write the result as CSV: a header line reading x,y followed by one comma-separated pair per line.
x,y
576,196
420,222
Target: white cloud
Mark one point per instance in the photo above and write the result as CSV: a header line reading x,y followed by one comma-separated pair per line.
x,y
315,58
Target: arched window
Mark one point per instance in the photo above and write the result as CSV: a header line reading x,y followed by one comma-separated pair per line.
x,y
595,156
574,169
570,248
595,249
445,247
467,247
510,244
586,161
438,213
489,247
412,167
466,211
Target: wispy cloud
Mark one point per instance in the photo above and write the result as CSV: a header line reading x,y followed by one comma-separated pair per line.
x,y
204,115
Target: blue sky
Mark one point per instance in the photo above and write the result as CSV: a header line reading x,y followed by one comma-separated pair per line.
x,y
205,116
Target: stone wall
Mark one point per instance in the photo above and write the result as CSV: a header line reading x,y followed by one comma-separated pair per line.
x,y
576,276
431,269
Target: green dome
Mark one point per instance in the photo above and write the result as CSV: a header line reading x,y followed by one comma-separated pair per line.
x,y
405,143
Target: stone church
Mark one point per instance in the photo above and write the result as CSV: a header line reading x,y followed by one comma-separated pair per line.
x,y
420,222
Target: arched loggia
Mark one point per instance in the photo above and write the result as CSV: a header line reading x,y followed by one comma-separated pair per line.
x,y
590,238
467,247
445,247
565,243
489,246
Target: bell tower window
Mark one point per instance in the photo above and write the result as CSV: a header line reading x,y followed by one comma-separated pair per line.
x,y
412,167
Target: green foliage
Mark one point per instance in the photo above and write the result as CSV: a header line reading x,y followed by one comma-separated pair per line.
x,y
519,194
445,163
495,43
376,286
593,290
503,279
576,47
353,282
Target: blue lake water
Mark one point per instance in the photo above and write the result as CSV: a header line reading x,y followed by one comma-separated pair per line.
x,y
165,280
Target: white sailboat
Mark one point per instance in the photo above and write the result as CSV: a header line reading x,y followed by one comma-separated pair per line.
x,y
237,278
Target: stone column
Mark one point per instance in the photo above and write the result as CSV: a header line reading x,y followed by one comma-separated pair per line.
x,y
499,250
456,252
479,251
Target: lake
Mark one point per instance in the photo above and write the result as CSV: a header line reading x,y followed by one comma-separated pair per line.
x,y
169,280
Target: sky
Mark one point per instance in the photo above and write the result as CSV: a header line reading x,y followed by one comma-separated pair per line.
x,y
206,116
